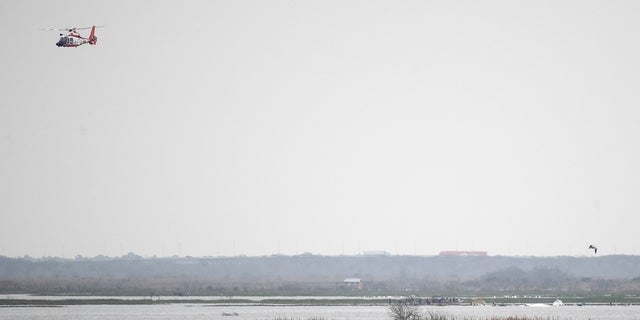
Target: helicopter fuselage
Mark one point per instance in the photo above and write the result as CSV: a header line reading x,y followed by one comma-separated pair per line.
x,y
71,40
74,39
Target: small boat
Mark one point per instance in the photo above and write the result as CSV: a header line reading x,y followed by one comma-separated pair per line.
x,y
558,302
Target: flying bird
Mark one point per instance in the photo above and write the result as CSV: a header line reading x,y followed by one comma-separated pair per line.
x,y
595,249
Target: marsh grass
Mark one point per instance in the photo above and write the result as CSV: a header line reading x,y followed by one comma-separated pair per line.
x,y
443,317
404,311
289,318
440,316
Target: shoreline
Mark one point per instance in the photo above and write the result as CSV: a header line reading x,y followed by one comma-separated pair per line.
x,y
265,302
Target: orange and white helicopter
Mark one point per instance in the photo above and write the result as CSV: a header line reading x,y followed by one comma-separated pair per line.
x,y
73,39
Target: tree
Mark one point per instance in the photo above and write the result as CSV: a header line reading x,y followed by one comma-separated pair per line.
x,y
404,311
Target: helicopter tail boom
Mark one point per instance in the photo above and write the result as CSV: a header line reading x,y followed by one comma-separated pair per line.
x,y
92,37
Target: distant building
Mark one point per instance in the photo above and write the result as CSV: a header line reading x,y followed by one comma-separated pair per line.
x,y
352,283
464,253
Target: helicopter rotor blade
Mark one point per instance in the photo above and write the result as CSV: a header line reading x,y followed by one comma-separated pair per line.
x,y
69,29
86,28
54,29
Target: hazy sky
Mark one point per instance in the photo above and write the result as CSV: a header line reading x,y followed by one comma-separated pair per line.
x,y
332,127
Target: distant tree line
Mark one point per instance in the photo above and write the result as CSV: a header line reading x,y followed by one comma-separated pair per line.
x,y
317,275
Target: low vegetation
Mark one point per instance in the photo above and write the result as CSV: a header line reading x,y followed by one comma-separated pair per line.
x,y
403,311
437,316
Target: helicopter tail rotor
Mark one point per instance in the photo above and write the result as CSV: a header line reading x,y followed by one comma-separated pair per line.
x,y
92,37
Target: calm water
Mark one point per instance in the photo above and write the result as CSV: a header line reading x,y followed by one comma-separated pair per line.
x,y
199,311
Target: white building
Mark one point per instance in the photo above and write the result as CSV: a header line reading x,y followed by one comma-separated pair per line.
x,y
353,283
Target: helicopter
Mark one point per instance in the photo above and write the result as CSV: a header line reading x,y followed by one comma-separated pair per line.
x,y
73,39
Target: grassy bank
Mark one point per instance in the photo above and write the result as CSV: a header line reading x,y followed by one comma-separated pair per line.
x,y
195,300
289,302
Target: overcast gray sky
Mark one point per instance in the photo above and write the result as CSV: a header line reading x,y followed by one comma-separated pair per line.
x,y
331,127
